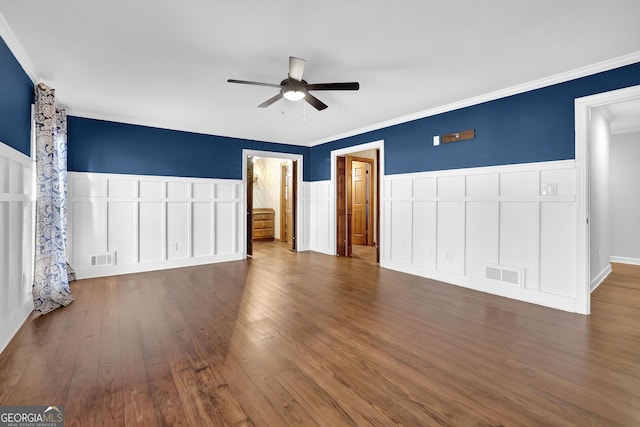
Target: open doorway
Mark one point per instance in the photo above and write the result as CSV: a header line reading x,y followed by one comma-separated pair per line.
x,y
271,183
357,176
607,135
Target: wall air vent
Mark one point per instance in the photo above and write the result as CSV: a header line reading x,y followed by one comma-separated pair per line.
x,y
502,273
102,259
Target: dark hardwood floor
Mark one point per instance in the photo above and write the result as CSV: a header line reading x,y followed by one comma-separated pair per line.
x,y
309,339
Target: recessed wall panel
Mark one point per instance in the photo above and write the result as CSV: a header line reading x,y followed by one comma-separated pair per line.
x,y
424,188
4,174
485,185
88,186
177,230
519,184
89,231
202,190
451,186
122,188
401,188
202,229
424,234
224,230
151,231
519,234
451,232
401,232
16,176
558,249
225,191
122,231
151,189
482,237
178,190
323,224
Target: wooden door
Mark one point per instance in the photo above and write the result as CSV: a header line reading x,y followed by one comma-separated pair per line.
x,y
362,198
283,203
349,201
377,205
292,225
341,206
288,205
249,206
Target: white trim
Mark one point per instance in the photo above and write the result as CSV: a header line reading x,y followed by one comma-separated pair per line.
x,y
597,281
481,170
18,51
583,108
19,309
379,145
301,243
598,67
16,156
99,197
127,177
625,260
560,302
12,154
110,270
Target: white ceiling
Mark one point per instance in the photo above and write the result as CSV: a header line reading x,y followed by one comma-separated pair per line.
x,y
166,63
624,116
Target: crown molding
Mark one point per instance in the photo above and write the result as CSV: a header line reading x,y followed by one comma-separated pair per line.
x,y
18,51
588,70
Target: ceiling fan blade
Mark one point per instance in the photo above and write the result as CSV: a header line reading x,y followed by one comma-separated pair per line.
x,y
317,104
334,86
296,68
270,101
246,82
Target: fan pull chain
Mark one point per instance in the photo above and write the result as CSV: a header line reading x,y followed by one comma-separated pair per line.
x,y
283,105
304,111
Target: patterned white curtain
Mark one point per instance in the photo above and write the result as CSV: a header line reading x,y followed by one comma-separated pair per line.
x,y
50,283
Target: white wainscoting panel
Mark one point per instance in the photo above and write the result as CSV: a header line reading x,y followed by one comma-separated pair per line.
x,y
16,241
152,222
321,238
489,229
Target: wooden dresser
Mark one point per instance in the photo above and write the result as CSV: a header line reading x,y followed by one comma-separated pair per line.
x,y
263,223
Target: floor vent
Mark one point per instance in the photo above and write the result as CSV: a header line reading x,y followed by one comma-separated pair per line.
x,y
501,273
102,259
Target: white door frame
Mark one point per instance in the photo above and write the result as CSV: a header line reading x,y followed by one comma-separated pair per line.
x,y
332,190
300,242
583,108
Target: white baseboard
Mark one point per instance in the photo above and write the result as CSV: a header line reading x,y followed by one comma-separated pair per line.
x,y
114,270
625,260
20,316
322,250
600,277
559,302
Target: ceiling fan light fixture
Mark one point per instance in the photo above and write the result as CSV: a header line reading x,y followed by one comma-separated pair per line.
x,y
294,95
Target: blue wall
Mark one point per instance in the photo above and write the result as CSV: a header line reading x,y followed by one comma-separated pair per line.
x,y
534,126
110,147
16,97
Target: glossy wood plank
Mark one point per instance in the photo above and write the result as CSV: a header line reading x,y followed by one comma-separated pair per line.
x,y
307,339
